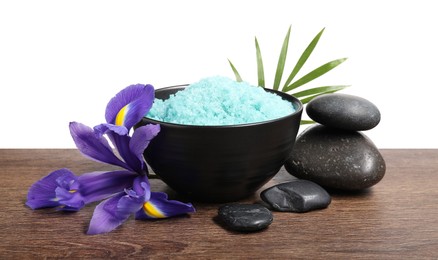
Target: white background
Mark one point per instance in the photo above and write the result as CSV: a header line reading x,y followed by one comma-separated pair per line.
x,y
61,61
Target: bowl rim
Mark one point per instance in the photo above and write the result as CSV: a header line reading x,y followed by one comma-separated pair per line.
x,y
295,102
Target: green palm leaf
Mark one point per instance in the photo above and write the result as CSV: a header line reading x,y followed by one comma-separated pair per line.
x,y
305,95
303,58
281,60
319,90
260,71
309,98
314,74
236,73
306,122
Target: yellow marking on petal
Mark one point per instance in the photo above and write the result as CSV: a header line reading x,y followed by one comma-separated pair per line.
x,y
152,211
72,191
120,118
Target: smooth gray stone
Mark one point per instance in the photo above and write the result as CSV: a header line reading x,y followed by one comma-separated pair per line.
x,y
344,111
296,196
245,217
336,159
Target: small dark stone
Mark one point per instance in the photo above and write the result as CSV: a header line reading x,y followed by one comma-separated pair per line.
x,y
296,196
336,159
344,111
245,217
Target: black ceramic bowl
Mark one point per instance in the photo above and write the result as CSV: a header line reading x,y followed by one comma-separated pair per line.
x,y
221,163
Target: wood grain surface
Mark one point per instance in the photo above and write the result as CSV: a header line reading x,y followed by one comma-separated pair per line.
x,y
396,219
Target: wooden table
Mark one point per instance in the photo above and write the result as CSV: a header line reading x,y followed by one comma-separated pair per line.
x,y
396,219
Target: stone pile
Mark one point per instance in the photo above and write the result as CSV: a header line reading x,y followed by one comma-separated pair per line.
x,y
333,153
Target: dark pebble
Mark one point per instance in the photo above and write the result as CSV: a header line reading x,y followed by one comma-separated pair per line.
x,y
296,196
336,159
344,111
245,217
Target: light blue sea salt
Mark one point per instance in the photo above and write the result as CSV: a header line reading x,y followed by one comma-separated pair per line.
x,y
220,101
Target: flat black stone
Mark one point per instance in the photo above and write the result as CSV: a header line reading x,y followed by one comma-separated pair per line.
x,y
245,217
296,196
336,159
344,111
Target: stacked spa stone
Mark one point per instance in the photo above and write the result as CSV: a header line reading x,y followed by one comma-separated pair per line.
x,y
333,153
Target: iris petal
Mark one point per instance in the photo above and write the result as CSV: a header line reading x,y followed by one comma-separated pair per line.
x,y
42,193
69,200
141,186
120,139
135,197
121,116
128,205
112,212
141,139
160,207
121,142
130,105
102,129
93,145
58,189
105,218
96,186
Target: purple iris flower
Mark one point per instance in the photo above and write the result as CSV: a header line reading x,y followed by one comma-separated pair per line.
x,y
65,191
138,200
126,191
58,189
